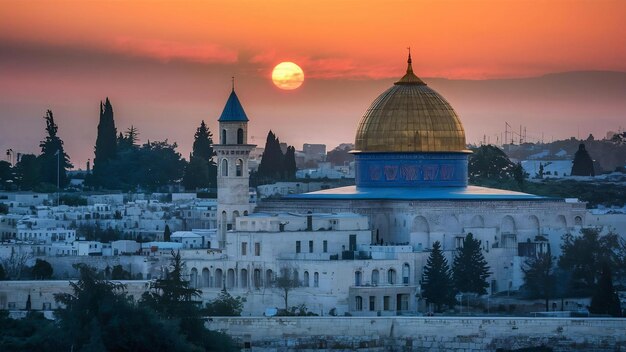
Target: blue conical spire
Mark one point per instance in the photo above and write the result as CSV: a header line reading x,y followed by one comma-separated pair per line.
x,y
233,111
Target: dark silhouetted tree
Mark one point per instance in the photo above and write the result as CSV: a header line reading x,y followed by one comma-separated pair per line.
x,y
42,270
289,162
437,286
540,277
469,269
27,172
201,172
167,233
489,162
106,141
583,164
225,305
605,299
53,155
118,273
271,165
584,256
3,274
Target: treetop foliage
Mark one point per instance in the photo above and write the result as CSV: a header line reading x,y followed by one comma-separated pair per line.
x,y
437,286
470,269
276,166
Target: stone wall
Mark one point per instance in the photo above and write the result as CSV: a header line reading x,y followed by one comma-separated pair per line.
x,y
423,333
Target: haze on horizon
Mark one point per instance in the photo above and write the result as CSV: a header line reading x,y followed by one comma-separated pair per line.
x,y
167,65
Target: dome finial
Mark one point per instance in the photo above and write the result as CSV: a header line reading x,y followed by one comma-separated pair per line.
x,y
233,81
409,68
410,77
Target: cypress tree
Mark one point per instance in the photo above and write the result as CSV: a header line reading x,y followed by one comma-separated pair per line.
x,y
470,269
52,155
106,141
583,164
605,299
271,166
289,164
201,171
437,285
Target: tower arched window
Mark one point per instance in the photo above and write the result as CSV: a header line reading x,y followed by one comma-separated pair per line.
x,y
223,136
240,136
224,167
239,167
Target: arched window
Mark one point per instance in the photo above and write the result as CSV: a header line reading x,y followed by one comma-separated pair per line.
x,y
206,276
305,281
296,277
257,278
391,276
269,278
357,278
193,278
240,136
316,279
223,136
224,167
218,278
239,167
358,303
578,221
375,277
406,273
230,278
244,278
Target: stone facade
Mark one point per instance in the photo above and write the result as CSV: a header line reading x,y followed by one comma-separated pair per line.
x,y
422,334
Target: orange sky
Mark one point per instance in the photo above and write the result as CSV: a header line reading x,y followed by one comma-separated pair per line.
x,y
67,55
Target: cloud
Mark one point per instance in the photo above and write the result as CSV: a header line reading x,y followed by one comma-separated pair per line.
x,y
166,51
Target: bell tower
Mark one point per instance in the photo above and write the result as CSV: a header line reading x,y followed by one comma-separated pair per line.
x,y
233,152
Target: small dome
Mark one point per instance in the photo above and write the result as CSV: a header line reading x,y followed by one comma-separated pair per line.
x,y
410,117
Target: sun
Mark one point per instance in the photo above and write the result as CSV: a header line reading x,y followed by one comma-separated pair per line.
x,y
287,76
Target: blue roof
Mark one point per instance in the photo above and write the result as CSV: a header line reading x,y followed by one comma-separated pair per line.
x,y
233,111
422,193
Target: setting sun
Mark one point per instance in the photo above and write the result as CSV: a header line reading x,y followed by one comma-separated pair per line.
x,y
287,75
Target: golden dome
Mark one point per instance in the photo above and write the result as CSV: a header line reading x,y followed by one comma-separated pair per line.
x,y
410,117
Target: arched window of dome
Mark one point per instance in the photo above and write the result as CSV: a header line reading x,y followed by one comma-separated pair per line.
x,y
240,136
239,167
224,167
223,136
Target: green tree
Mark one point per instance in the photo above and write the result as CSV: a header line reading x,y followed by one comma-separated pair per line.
x,y
99,316
201,172
470,269
53,155
584,256
173,299
286,282
519,175
42,270
225,305
27,172
196,174
605,299
118,273
33,333
6,173
540,277
167,233
106,142
3,274
490,162
271,166
437,286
